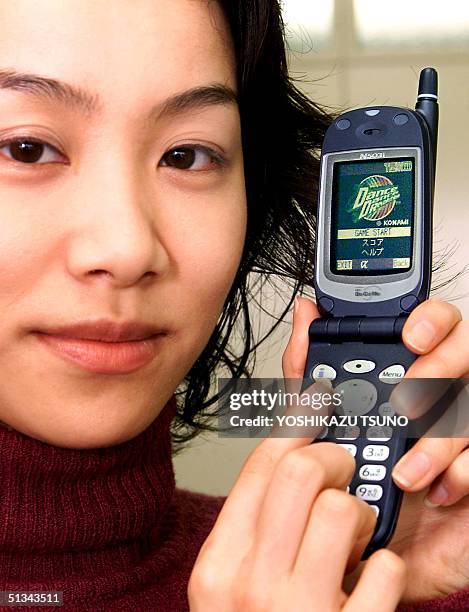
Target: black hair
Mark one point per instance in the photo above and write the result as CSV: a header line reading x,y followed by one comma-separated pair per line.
x,y
282,130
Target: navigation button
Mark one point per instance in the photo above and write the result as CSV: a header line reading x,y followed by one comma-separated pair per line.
x,y
359,366
358,397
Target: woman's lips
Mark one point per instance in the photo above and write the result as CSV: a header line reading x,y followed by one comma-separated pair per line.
x,y
104,357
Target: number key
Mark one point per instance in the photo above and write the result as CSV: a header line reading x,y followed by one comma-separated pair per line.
x,y
376,452
372,472
369,492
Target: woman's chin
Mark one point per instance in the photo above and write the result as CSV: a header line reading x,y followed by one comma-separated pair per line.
x,y
78,433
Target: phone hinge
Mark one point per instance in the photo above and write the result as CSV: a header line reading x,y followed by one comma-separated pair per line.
x,y
357,329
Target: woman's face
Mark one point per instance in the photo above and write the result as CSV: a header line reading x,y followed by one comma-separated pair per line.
x,y
102,215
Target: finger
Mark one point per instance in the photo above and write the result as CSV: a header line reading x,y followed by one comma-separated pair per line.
x,y
298,479
449,359
338,521
294,364
296,351
452,485
428,324
305,409
248,492
415,399
381,584
428,458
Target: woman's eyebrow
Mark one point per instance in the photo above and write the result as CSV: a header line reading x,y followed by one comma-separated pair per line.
x,y
89,102
45,87
195,98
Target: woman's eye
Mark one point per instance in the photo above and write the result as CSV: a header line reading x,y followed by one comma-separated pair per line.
x,y
28,151
192,158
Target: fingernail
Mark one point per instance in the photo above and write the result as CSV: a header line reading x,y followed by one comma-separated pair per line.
x,y
323,382
437,497
411,469
421,335
297,304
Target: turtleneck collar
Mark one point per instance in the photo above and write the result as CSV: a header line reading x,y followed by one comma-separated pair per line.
x,y
67,512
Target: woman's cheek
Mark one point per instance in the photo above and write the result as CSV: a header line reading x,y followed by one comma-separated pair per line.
x,y
24,251
209,259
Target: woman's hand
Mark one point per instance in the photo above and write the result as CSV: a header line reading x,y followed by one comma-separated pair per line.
x,y
432,534
286,535
289,531
435,330
433,541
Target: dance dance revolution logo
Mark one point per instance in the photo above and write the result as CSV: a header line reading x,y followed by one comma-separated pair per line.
x,y
376,197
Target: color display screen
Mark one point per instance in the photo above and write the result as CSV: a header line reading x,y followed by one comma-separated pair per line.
x,y
372,216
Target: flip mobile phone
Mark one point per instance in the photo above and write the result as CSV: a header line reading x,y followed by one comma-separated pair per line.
x,y
372,268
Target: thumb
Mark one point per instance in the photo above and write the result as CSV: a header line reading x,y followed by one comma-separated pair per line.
x,y
296,351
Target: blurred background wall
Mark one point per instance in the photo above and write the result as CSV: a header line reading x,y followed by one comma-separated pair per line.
x,y
346,54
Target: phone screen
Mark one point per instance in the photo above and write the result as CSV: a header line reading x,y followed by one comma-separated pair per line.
x,y
372,216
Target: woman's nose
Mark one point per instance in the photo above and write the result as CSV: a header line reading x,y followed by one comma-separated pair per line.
x,y
117,225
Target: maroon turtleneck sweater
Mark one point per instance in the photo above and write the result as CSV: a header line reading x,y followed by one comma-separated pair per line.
x,y
107,526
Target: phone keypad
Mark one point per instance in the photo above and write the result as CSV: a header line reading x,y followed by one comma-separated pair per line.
x,y
380,434
369,492
376,452
365,383
372,472
351,448
347,432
